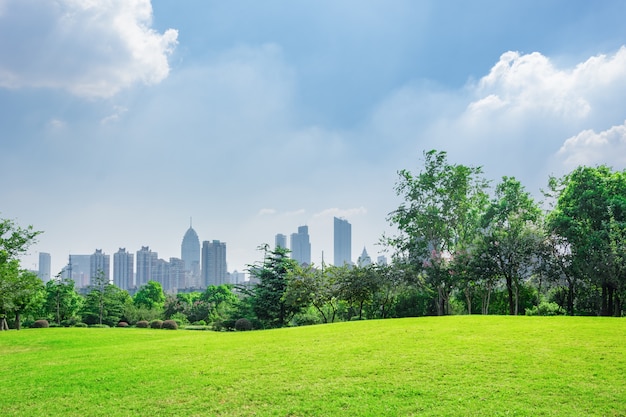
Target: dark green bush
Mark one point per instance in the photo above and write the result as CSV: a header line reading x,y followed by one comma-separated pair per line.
x,y
40,324
243,324
143,324
156,324
80,325
99,326
122,324
199,323
545,309
170,325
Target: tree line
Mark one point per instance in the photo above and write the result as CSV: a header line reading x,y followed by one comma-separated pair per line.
x,y
461,247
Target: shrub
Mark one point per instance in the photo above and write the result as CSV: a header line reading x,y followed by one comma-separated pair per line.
x,y
80,325
170,325
545,309
122,324
40,324
156,324
199,323
142,324
243,324
99,326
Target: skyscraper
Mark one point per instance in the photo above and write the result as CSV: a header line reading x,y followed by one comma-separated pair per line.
x,y
214,271
190,254
44,266
146,261
123,266
99,264
280,241
78,269
301,246
177,274
364,259
342,242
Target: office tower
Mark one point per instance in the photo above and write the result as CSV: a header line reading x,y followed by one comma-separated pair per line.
x,y
177,275
44,266
280,241
78,270
214,271
146,260
237,277
123,266
364,259
381,260
342,242
190,254
99,267
300,246
161,273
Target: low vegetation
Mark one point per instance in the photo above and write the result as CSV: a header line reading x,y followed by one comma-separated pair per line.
x,y
433,366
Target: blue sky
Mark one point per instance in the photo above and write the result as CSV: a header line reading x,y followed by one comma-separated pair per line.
x,y
122,119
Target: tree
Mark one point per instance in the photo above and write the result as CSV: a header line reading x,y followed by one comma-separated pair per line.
x,y
105,302
511,239
439,215
590,216
16,286
308,285
220,299
273,274
62,300
150,296
357,285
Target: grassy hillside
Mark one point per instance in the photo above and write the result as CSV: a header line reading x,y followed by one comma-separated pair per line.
x,y
461,365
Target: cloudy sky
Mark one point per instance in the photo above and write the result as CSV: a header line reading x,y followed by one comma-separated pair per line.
x,y
123,119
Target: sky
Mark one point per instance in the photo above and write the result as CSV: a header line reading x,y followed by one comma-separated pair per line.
x,y
124,120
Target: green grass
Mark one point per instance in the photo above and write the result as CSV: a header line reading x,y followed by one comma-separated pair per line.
x,y
446,366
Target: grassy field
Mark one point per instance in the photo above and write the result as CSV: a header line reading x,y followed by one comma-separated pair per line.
x,y
438,366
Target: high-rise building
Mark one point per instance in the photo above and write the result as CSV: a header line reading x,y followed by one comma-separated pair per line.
x,y
364,259
78,270
99,265
161,273
214,271
146,261
190,254
381,260
177,275
342,242
44,266
301,246
123,266
280,241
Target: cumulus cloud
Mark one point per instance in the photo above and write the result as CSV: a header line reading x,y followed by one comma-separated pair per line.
x,y
90,48
337,212
591,148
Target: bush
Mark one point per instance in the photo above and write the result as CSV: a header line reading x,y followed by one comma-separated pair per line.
x,y
545,309
156,324
80,325
243,324
40,324
99,326
143,324
122,324
69,322
170,325
199,323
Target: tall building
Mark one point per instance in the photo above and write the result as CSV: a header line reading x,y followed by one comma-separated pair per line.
x,y
99,264
123,266
342,242
214,271
177,275
146,261
44,266
190,254
280,241
364,259
78,270
301,246
161,273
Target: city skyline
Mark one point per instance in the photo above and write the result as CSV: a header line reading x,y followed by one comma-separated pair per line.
x,y
256,118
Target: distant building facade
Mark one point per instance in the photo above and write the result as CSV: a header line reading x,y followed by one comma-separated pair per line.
x,y
190,255
364,259
301,246
342,242
123,267
280,241
99,265
44,268
146,265
214,269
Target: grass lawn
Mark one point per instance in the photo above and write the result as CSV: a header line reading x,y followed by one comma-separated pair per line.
x,y
434,366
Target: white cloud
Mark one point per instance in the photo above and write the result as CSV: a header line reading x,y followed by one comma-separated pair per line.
x,y
90,48
266,212
337,212
591,148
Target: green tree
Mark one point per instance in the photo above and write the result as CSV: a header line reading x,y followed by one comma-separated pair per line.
x,y
273,274
590,216
150,296
439,216
357,285
317,287
220,300
511,241
17,286
104,303
62,300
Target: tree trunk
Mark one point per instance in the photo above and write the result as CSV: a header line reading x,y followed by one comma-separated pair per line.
x,y
509,288
3,324
468,298
570,298
18,324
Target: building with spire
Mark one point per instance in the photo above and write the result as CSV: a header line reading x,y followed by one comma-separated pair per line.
x,y
364,259
190,255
